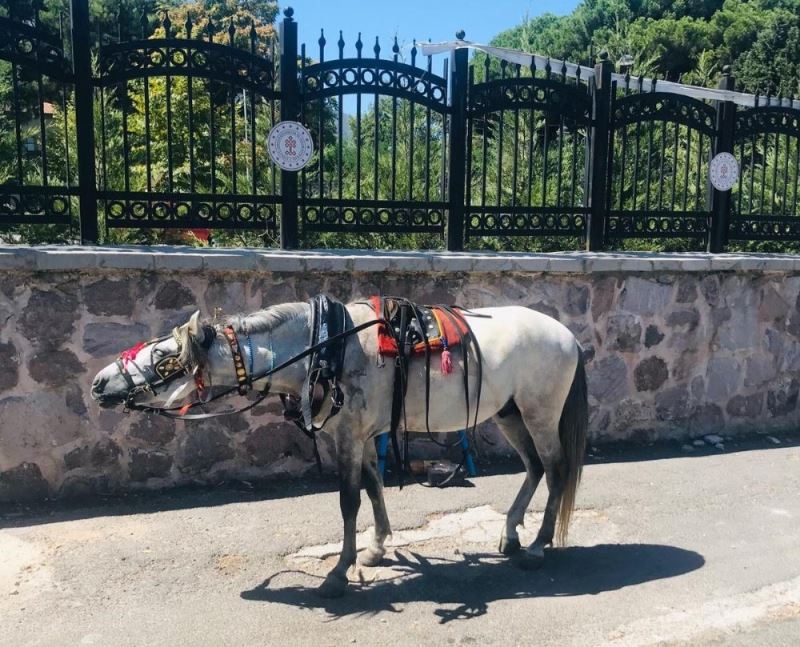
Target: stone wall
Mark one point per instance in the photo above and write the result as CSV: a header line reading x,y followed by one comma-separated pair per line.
x,y
677,346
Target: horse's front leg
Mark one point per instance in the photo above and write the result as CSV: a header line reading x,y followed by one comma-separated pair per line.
x,y
374,486
349,453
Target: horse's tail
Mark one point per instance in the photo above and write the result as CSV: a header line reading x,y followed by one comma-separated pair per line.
x,y
572,428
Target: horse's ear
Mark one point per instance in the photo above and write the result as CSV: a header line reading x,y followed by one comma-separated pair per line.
x,y
194,328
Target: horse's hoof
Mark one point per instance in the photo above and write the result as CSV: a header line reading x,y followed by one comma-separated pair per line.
x,y
530,560
371,556
508,546
332,587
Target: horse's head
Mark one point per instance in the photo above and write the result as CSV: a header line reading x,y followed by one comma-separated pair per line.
x,y
157,372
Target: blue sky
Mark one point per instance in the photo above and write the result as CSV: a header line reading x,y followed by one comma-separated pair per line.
x,y
435,19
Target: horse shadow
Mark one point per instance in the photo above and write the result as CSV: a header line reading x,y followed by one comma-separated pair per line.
x,y
464,588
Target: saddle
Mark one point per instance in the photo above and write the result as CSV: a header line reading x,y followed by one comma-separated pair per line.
x,y
415,329
427,328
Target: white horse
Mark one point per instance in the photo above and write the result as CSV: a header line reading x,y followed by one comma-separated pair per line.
x,y
533,385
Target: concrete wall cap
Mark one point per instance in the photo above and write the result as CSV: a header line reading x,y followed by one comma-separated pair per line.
x,y
193,259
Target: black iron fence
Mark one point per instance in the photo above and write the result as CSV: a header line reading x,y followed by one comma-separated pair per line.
x,y
166,128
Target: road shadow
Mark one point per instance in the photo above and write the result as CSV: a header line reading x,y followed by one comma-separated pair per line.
x,y
236,491
464,588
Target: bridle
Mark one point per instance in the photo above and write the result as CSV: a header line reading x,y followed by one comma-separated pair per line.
x,y
165,371
169,368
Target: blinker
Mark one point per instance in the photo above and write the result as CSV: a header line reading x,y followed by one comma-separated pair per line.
x,y
168,367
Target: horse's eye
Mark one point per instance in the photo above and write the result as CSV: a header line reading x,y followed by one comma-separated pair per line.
x,y
158,353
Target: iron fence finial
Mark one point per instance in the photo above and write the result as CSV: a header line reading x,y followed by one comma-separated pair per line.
x,y
166,23
144,22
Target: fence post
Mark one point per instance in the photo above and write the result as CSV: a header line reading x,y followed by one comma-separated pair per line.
x,y
84,120
598,155
723,143
290,111
458,148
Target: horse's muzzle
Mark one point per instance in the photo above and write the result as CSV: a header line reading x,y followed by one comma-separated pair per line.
x,y
105,400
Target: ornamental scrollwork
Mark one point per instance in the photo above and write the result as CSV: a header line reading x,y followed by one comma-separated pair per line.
x,y
406,219
525,223
573,103
177,57
767,119
664,106
191,212
34,48
35,205
632,225
764,228
364,76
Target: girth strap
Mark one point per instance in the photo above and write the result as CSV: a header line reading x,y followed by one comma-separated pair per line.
x,y
399,389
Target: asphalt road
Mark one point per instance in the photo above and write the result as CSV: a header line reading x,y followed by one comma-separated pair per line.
x,y
680,550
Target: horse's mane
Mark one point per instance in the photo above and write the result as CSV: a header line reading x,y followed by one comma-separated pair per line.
x,y
260,321
268,319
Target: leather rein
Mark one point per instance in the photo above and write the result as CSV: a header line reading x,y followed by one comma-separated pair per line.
x,y
244,380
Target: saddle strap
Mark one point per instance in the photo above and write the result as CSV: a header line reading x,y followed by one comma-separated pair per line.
x,y
399,387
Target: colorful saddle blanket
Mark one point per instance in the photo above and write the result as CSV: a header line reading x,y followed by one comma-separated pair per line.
x,y
442,329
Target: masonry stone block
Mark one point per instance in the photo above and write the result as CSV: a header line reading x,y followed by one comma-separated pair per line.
x,y
149,463
652,336
152,429
49,317
173,295
9,361
54,367
203,446
745,406
607,379
722,378
23,483
108,298
645,297
650,374
624,333
782,400
110,339
673,404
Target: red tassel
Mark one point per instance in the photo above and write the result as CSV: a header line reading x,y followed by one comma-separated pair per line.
x,y
447,362
130,354
184,409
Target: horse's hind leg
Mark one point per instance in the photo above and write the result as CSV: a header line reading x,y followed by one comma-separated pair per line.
x,y
534,554
374,486
511,424
548,448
